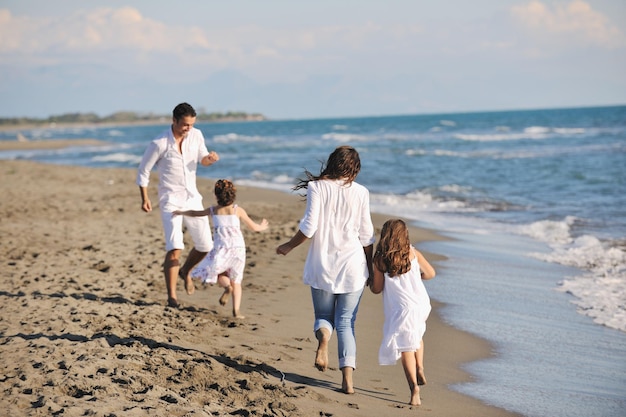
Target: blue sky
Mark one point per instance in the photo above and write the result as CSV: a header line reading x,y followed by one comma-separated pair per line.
x,y
290,59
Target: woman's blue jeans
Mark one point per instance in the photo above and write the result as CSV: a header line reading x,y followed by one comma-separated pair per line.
x,y
338,312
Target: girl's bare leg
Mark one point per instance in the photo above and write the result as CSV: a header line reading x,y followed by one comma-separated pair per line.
x,y
409,363
347,386
224,282
236,291
419,356
321,357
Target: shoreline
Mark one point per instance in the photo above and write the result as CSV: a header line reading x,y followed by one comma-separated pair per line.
x,y
164,121
17,129
84,316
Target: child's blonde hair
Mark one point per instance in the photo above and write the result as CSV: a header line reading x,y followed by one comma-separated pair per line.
x,y
393,252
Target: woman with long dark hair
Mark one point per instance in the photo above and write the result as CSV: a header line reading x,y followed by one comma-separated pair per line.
x,y
337,220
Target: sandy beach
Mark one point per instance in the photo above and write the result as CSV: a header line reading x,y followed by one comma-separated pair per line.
x,y
85,329
13,145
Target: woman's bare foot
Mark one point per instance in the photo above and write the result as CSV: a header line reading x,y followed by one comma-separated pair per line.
x,y
415,396
346,384
321,356
421,378
226,295
238,315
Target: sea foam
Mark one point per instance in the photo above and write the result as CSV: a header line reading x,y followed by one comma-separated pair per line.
x,y
600,290
118,157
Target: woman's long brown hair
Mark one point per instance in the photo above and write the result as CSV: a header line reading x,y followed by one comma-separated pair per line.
x,y
344,163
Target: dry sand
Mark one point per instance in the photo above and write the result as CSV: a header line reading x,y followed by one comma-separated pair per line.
x,y
84,330
13,145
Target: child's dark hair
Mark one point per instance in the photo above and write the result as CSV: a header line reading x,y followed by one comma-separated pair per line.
x,y
225,192
343,163
393,252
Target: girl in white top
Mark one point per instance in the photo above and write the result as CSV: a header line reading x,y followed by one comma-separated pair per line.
x,y
225,263
399,269
338,223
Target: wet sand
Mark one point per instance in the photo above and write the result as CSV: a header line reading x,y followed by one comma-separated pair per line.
x,y
84,327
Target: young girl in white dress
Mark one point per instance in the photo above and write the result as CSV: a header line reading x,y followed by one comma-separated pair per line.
x,y
226,261
398,270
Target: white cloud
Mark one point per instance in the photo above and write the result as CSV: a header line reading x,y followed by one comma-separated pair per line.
x,y
389,61
125,36
575,22
95,30
106,29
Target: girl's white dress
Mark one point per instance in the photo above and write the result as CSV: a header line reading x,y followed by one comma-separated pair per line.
x,y
407,306
229,250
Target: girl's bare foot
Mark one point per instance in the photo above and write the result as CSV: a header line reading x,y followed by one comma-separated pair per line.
x,y
238,315
415,396
226,295
421,378
346,384
321,356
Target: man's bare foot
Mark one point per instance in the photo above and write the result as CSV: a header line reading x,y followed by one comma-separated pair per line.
x,y
421,378
189,287
346,384
172,302
415,396
226,295
321,356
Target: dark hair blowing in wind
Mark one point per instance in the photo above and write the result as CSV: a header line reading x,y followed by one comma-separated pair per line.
x,y
343,163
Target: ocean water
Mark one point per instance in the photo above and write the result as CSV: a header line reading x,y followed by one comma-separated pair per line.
x,y
534,203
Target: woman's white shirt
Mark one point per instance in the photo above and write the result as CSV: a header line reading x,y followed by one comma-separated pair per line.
x,y
338,222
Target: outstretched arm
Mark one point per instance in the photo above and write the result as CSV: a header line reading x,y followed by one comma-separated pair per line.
x,y
192,213
210,159
255,227
295,241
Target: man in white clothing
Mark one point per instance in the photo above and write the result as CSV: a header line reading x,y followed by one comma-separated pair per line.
x,y
176,154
